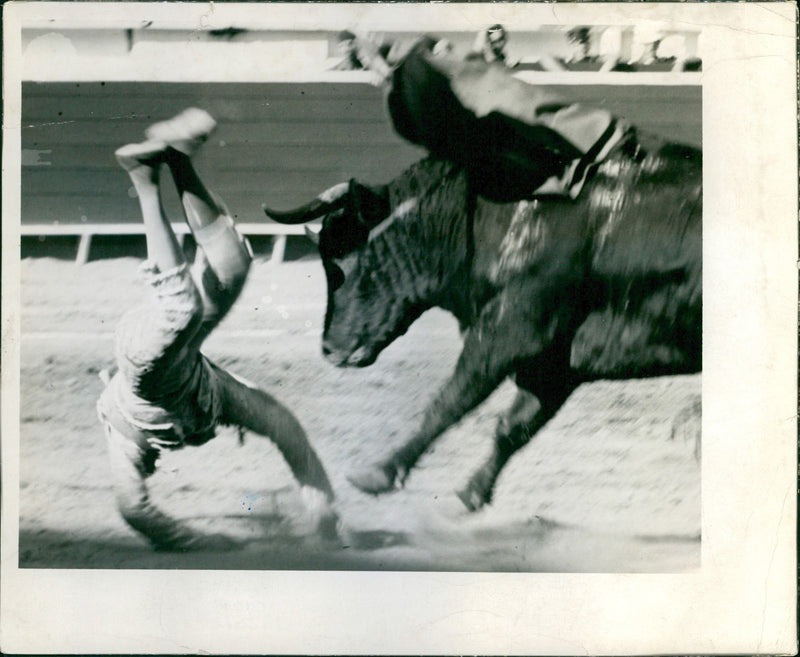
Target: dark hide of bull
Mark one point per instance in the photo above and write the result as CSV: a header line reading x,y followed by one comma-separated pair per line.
x,y
549,292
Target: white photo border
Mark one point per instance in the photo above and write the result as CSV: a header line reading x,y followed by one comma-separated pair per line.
x,y
742,600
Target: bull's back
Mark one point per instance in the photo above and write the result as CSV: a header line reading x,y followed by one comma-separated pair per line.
x,y
626,256
646,215
644,288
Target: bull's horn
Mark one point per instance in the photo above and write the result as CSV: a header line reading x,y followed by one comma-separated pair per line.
x,y
330,199
312,235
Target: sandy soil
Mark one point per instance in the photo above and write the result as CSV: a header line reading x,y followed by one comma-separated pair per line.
x,y
611,484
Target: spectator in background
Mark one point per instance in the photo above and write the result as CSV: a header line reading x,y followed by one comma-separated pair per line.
x,y
442,47
610,48
692,64
675,48
490,45
646,39
346,47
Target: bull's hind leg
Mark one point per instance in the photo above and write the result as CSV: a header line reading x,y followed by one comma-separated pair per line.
x,y
528,413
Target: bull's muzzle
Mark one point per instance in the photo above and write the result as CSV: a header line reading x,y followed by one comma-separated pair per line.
x,y
333,355
361,356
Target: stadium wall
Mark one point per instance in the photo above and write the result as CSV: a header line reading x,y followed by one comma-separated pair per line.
x,y
279,143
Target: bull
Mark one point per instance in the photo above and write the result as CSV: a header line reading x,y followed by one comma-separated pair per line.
x,y
551,292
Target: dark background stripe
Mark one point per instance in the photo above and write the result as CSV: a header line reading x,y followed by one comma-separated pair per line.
x,y
276,143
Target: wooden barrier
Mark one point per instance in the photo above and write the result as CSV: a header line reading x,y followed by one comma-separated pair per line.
x,y
277,142
86,231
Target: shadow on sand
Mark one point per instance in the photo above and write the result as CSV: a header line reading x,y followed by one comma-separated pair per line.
x,y
534,545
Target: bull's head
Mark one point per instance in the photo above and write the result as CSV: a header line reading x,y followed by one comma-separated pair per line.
x,y
372,297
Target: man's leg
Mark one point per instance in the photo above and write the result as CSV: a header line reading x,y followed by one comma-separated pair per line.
x,y
225,250
143,162
222,248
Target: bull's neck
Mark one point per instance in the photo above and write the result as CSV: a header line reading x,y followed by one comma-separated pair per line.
x,y
430,242
448,251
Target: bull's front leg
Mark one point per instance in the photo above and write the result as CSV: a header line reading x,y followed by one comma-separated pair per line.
x,y
506,331
476,375
548,376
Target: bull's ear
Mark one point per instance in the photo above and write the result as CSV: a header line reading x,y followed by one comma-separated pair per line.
x,y
371,204
312,235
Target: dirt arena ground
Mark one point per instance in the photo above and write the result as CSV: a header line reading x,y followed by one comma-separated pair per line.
x,y
612,484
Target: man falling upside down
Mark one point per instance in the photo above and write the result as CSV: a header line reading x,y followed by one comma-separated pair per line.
x,y
166,394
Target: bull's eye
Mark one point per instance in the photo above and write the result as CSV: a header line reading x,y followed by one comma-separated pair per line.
x,y
335,277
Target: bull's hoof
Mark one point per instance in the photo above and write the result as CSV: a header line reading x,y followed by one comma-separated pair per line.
x,y
472,498
375,479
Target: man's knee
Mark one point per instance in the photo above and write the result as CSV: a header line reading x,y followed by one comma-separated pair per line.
x,y
227,252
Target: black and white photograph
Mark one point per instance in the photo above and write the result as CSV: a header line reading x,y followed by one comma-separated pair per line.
x,y
389,310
